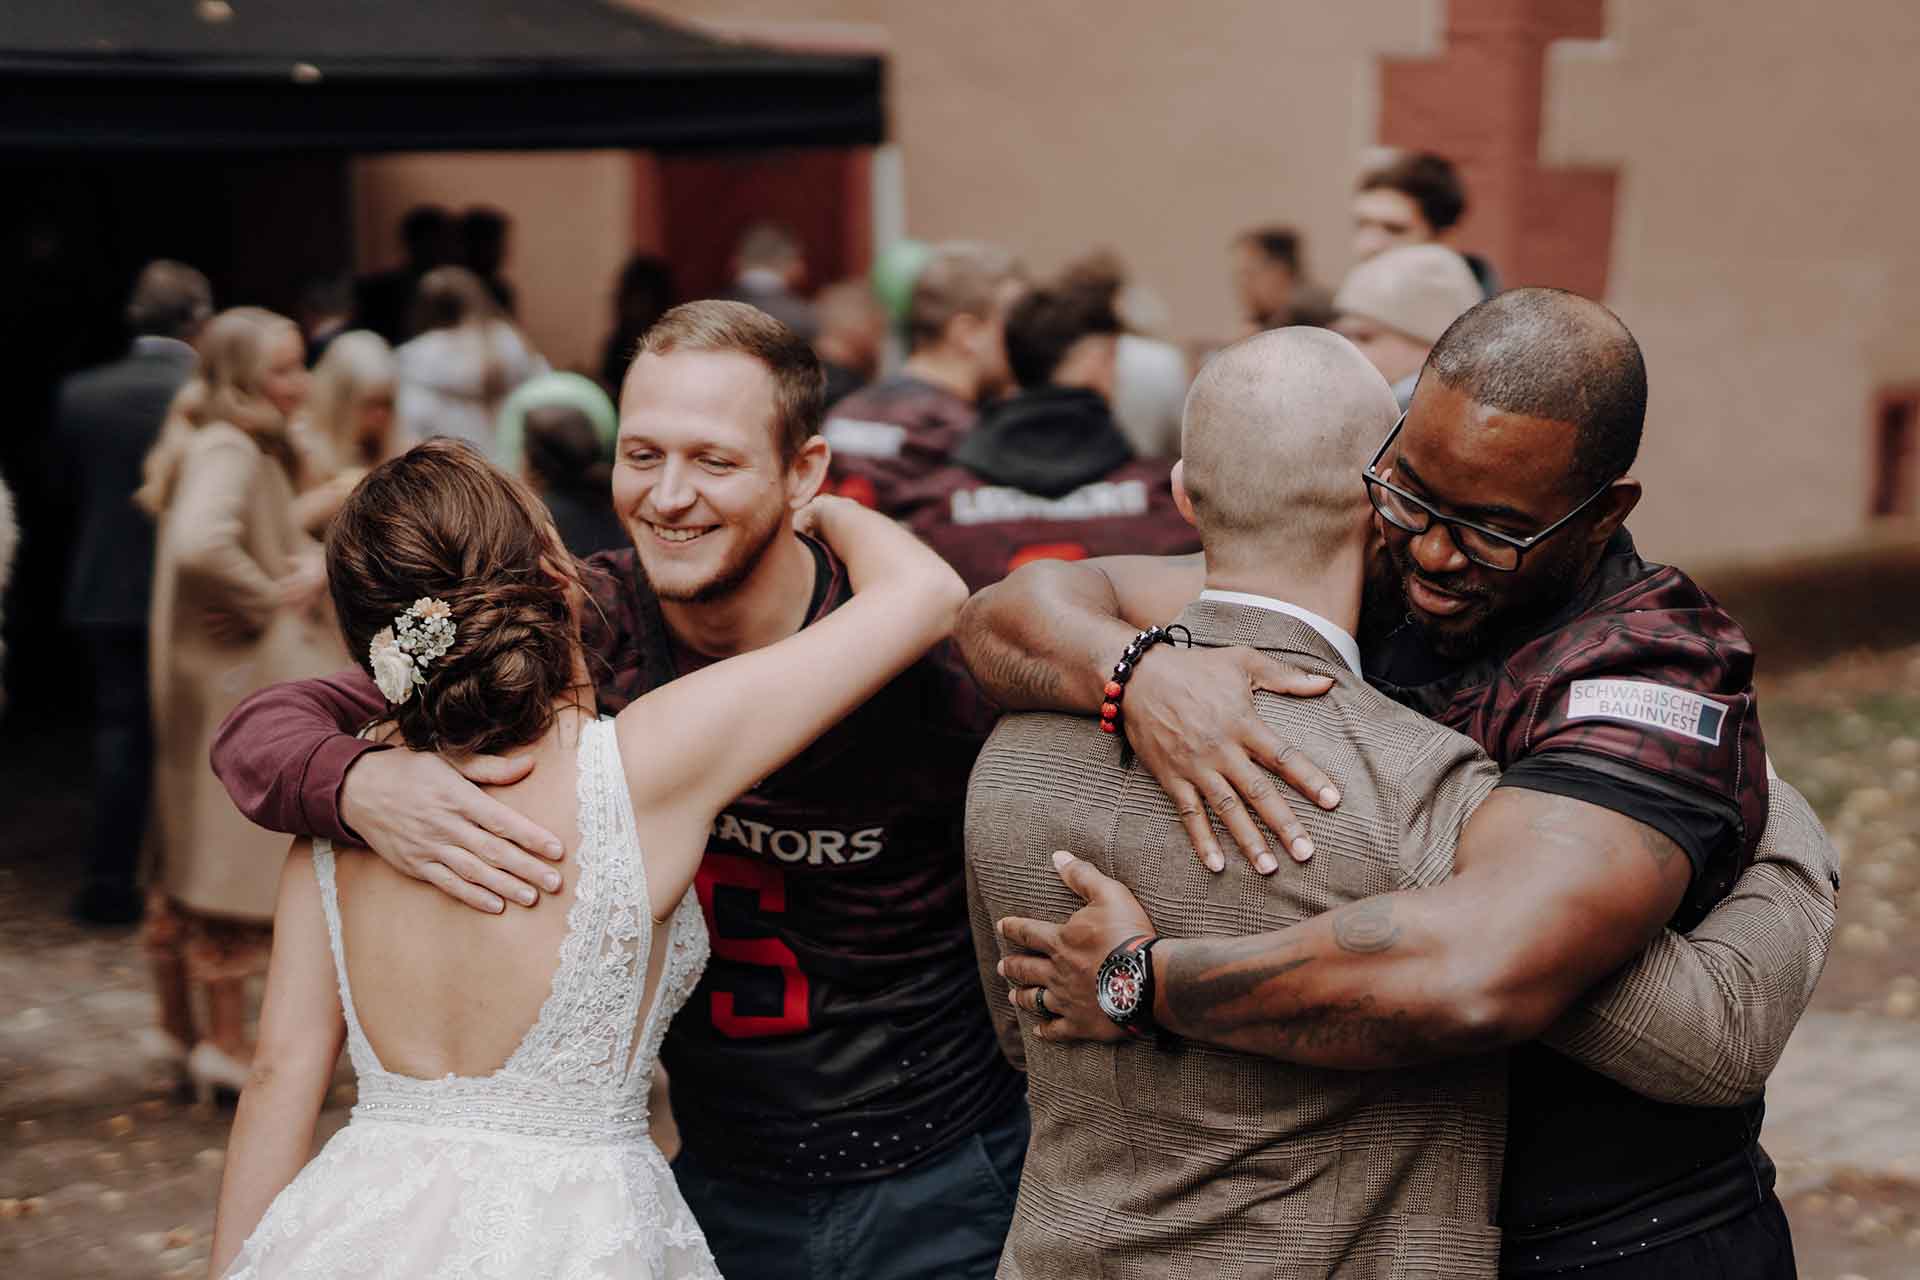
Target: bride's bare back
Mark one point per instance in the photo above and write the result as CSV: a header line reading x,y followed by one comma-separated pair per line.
x,y
442,989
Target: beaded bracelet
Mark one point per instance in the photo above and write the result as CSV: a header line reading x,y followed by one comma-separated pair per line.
x,y
1116,687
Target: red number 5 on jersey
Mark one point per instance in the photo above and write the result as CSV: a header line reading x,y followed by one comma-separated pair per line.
x,y
769,887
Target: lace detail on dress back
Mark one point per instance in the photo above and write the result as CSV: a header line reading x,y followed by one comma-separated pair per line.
x,y
583,1069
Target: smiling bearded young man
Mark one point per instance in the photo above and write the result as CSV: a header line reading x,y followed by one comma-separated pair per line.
x,y
845,1106
1615,695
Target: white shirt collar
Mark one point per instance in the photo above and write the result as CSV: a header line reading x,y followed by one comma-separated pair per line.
x,y
1343,643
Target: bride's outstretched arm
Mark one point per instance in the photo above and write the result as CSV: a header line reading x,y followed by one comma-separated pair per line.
x,y
693,745
301,1029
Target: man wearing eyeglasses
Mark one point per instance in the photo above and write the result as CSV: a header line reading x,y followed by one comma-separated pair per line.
x,y
1615,695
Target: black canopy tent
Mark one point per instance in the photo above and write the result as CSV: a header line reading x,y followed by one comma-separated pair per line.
x,y
221,132
379,75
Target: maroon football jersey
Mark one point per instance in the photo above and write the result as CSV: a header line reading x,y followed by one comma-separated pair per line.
x,y
1645,669
986,530
839,1032
1638,697
891,434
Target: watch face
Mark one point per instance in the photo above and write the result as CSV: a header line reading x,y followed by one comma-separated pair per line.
x,y
1119,985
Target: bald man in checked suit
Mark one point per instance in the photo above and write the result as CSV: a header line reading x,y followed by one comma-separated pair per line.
x,y
1151,1160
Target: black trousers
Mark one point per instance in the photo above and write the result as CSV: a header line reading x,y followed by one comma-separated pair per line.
x,y
1755,1246
122,753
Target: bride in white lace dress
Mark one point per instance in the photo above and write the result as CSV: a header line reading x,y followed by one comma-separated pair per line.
x,y
504,1061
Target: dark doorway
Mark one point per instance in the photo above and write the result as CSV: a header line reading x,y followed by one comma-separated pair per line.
x,y
74,231
820,194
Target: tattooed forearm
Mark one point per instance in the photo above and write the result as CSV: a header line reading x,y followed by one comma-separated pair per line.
x,y
1013,678
1044,638
1365,927
1370,984
1214,984
1244,993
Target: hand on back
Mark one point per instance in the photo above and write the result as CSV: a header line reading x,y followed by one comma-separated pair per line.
x,y
427,818
1189,714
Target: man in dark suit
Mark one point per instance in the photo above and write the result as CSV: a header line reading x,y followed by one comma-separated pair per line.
x,y
108,419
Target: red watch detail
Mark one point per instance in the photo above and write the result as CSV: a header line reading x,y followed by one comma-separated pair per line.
x,y
1124,986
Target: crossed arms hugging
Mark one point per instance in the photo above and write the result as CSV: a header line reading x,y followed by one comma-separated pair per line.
x,y
449,995
1637,909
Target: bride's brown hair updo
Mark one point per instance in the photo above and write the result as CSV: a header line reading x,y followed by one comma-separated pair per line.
x,y
441,521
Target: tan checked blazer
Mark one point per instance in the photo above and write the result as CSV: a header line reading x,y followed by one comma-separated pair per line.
x,y
1150,1162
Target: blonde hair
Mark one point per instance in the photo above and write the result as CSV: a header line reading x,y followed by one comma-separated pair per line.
x,y
223,388
355,365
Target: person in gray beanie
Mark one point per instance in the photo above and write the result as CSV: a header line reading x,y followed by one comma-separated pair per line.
x,y
1395,305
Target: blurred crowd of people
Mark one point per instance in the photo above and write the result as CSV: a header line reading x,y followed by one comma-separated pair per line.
x,y
1002,417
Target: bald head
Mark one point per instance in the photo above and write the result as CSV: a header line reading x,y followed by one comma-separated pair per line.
x,y
1276,430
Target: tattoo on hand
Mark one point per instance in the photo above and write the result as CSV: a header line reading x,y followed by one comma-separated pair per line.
x,y
1365,927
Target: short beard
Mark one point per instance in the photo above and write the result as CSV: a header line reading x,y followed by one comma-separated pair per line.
x,y
1504,625
730,577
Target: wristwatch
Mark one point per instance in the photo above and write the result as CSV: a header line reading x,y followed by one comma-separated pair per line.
x,y
1124,986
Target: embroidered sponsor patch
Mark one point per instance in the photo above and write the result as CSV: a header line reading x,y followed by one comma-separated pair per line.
x,y
1657,706
861,439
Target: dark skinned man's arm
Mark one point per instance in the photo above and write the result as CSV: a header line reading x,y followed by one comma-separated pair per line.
x,y
1549,895
1046,637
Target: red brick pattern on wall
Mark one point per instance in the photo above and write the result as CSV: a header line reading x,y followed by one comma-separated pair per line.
x,y
1479,104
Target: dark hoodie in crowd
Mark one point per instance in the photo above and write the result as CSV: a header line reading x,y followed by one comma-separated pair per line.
x,y
1046,475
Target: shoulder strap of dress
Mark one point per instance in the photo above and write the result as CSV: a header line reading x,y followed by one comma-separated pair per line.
x,y
619,838
364,1059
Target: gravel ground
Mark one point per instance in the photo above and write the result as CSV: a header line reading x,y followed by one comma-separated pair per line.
x,y
105,1170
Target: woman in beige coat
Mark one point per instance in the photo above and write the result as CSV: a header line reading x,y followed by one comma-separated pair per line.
x,y
238,603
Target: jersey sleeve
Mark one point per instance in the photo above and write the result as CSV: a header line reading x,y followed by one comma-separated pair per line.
x,y
1658,723
1698,822
284,752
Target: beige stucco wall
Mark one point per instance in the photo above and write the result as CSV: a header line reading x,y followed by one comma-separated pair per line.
x,y
573,229
1765,251
1159,130
1763,247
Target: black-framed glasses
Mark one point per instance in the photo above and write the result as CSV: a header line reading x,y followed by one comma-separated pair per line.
x,y
1491,548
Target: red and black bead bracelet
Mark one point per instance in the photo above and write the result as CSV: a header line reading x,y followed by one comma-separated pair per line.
x,y
1116,687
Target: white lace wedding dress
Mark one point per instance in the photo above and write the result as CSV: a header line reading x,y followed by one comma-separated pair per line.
x,y
543,1169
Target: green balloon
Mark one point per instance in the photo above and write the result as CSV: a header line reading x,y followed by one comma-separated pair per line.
x,y
894,272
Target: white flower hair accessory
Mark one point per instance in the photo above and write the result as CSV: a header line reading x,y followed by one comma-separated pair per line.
x,y
399,654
